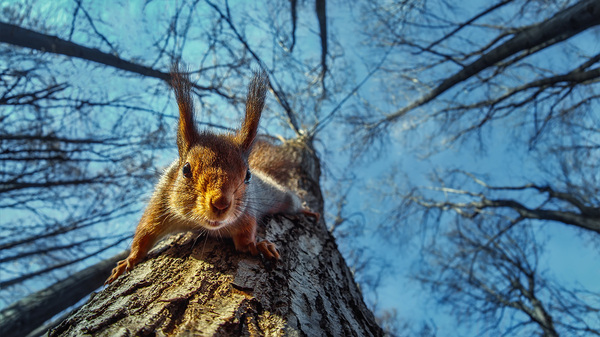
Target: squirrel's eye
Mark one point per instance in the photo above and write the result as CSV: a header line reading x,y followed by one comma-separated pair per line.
x,y
248,177
187,170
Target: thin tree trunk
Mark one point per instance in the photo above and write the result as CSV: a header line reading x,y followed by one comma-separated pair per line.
x,y
199,286
27,314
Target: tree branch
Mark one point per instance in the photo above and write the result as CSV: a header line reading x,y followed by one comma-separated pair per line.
x,y
291,116
560,27
569,218
23,37
25,315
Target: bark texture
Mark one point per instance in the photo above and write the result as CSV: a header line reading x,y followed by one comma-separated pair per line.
x,y
192,285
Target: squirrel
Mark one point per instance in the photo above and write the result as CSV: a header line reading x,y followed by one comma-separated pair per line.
x,y
222,183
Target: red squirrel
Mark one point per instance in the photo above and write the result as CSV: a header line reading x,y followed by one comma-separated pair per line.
x,y
222,183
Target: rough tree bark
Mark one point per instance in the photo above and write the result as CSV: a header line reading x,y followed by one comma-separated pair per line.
x,y
199,286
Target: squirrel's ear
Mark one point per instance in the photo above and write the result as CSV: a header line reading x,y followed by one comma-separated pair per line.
x,y
187,134
255,102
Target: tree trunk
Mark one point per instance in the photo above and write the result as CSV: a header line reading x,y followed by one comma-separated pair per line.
x,y
25,315
200,286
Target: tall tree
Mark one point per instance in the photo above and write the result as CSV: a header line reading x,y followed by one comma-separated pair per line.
x,y
475,74
207,288
97,124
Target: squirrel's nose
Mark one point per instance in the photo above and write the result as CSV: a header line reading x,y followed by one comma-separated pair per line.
x,y
220,204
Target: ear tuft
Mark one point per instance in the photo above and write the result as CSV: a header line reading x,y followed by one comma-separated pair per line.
x,y
255,102
187,134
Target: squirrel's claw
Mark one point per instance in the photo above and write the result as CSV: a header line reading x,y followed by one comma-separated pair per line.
x,y
311,214
122,266
265,247
268,250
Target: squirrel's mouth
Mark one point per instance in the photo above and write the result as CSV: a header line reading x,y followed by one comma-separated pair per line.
x,y
216,220
214,224
220,223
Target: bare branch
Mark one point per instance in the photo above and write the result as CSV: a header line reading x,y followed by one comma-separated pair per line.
x,y
25,277
291,115
22,37
562,26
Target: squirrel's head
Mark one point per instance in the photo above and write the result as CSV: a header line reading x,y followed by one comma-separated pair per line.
x,y
213,168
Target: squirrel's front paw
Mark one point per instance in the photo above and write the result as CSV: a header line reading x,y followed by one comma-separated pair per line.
x,y
122,265
311,214
265,247
268,250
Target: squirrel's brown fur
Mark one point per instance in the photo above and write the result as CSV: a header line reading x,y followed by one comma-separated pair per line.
x,y
220,183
